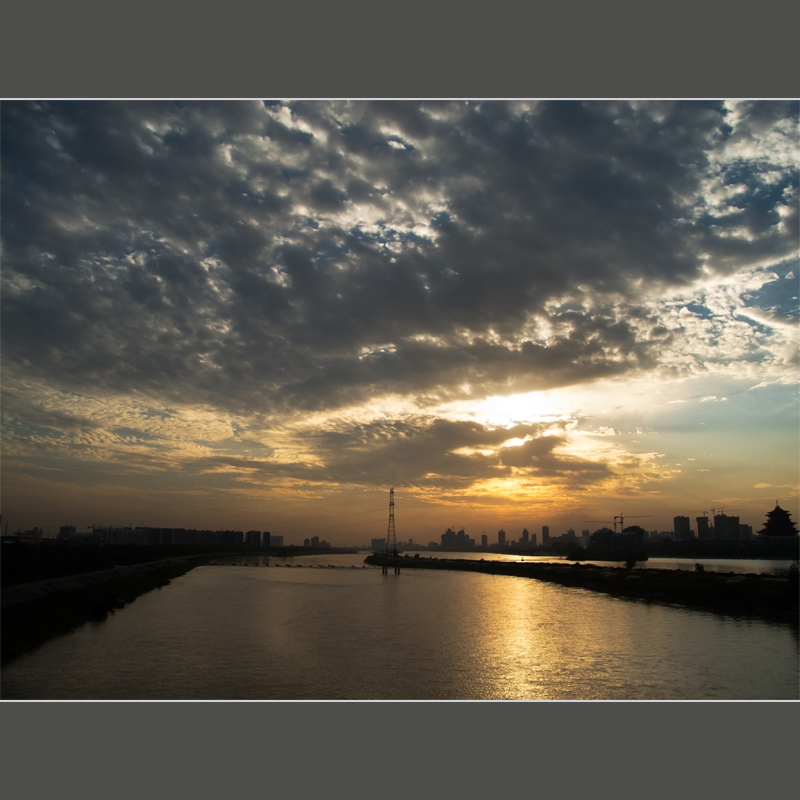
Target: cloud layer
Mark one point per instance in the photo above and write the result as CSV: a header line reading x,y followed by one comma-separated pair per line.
x,y
257,272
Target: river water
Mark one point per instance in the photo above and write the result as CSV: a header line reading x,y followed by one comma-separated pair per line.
x,y
250,629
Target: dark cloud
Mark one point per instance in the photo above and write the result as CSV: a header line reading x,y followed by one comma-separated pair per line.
x,y
248,256
429,451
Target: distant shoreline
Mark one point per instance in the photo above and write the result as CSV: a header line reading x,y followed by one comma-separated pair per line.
x,y
772,598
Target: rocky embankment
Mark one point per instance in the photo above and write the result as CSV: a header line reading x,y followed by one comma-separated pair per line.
x,y
763,596
32,613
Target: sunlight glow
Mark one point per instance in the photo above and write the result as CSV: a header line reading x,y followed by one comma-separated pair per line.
x,y
505,411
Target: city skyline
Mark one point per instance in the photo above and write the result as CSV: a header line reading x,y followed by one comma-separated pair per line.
x,y
682,527
264,315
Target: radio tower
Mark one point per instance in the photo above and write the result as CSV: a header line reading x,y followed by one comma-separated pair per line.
x,y
391,537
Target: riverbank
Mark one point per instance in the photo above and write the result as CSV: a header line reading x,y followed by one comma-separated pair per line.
x,y
773,598
34,612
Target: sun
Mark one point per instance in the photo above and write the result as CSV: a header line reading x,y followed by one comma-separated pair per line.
x,y
505,411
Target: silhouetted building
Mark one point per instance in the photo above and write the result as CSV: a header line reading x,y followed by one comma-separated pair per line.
x,y
253,538
464,542
746,533
484,540
232,538
456,541
501,538
33,535
703,531
681,527
726,528
545,536
449,539
779,523
525,537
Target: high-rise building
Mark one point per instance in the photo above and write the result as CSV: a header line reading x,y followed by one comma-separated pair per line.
x,y
501,538
726,527
545,536
732,529
65,532
525,537
449,539
746,533
484,540
703,531
681,528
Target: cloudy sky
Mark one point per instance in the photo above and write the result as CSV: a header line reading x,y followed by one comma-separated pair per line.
x,y
265,315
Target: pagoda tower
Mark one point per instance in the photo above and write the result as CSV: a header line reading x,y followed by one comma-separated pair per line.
x,y
779,523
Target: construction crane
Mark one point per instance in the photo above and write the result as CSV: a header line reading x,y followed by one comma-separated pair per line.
x,y
621,519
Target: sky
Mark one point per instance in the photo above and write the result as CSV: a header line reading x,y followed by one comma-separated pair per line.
x,y
264,315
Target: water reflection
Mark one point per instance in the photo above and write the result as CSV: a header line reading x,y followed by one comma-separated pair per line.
x,y
244,631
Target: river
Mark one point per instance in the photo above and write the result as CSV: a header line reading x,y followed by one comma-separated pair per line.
x,y
326,628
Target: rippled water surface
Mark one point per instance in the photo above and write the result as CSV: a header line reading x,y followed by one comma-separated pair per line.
x,y
250,631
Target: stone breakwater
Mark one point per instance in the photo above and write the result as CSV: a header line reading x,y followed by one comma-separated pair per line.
x,y
32,613
766,597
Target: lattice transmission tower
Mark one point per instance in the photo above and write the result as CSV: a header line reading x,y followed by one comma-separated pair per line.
x,y
391,536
